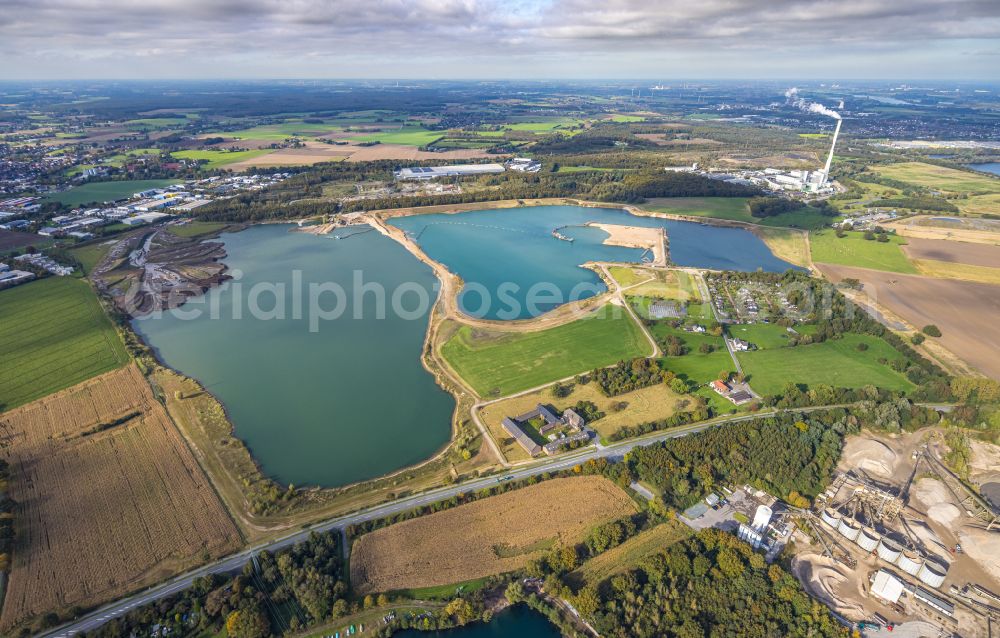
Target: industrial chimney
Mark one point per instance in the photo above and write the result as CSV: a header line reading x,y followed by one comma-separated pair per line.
x,y
829,160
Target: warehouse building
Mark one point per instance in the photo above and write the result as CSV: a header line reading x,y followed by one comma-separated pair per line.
x,y
459,170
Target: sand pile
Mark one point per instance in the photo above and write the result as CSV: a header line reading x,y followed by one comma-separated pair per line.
x,y
984,464
823,578
930,492
945,514
870,455
982,546
929,539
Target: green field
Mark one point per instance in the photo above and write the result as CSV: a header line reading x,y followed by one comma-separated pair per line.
x,y
497,364
766,336
91,254
53,334
194,229
217,159
156,122
406,135
284,130
836,362
855,250
546,126
940,178
734,209
107,191
627,118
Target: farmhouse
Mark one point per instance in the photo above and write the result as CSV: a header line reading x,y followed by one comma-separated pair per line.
x,y
721,387
552,426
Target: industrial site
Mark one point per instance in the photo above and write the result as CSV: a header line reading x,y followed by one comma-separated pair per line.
x,y
898,538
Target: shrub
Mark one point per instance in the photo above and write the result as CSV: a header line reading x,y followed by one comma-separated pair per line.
x,y
931,330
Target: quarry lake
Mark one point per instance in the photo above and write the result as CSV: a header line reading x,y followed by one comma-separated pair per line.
x,y
345,399
347,402
519,620
488,248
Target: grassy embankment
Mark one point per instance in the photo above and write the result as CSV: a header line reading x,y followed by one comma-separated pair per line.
x,y
496,363
53,334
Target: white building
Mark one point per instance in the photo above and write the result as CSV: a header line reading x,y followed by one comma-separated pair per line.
x,y
886,586
460,170
524,165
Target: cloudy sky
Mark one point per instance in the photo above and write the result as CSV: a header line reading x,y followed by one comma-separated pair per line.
x,y
668,39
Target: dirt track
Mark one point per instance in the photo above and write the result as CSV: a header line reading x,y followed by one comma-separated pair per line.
x,y
966,312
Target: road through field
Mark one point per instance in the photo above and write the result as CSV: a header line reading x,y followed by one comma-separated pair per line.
x,y
235,562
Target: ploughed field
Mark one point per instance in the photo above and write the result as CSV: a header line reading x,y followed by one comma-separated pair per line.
x,y
491,536
53,334
966,312
109,497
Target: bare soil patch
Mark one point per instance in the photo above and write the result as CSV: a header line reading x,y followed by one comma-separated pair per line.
x,y
955,252
966,312
490,536
401,152
109,497
10,239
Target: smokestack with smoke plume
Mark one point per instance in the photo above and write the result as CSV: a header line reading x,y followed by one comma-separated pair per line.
x,y
829,160
792,95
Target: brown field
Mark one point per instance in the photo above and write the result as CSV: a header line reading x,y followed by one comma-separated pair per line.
x,y
966,312
103,507
966,230
956,252
490,536
10,239
401,152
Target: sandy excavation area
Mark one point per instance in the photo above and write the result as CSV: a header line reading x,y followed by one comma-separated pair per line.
x,y
978,231
652,239
871,455
829,581
966,312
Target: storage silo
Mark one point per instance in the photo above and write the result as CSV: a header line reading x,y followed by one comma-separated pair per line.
x,y
932,574
868,539
909,562
831,517
888,550
849,529
762,518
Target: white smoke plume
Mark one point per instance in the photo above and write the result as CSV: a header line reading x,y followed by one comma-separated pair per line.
x,y
792,95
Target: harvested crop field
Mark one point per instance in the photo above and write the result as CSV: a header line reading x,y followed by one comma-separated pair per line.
x,y
965,311
109,497
490,536
955,252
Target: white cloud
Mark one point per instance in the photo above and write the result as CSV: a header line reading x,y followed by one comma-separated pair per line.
x,y
424,38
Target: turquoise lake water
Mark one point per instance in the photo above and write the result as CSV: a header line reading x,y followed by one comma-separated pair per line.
x,y
502,254
347,402
989,167
518,621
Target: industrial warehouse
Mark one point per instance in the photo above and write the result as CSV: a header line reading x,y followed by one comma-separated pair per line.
x,y
458,170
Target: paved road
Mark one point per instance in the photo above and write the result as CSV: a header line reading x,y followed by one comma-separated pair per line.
x,y
235,562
